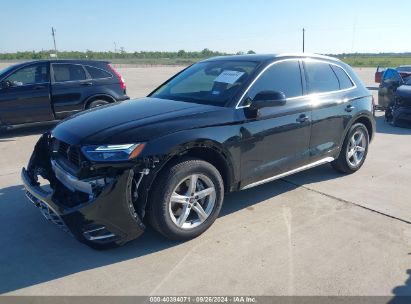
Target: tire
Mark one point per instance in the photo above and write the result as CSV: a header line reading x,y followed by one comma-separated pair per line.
x,y
354,151
165,214
97,103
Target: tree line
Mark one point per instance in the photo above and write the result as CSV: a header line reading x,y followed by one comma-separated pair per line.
x,y
121,54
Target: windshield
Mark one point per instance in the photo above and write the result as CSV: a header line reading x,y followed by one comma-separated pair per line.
x,y
212,82
5,70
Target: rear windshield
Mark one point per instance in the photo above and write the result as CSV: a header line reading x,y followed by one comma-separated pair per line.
x,y
212,82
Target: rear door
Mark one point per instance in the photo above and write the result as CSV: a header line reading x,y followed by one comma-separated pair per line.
x,y
28,98
390,81
329,89
69,88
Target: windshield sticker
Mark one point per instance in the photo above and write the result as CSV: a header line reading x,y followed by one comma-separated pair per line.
x,y
229,77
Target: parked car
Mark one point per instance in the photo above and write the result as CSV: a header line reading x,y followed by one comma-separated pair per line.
x,y
221,125
391,81
404,70
48,90
399,111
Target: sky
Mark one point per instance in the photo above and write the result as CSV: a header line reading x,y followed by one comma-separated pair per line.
x,y
265,26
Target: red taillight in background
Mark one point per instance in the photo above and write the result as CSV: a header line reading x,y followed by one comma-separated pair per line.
x,y
120,78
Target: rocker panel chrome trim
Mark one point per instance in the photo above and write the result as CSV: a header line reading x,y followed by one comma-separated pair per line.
x,y
312,165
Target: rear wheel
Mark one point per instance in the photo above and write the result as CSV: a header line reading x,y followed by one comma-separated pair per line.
x,y
97,103
186,199
354,150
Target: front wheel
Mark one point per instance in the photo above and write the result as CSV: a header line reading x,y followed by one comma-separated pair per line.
x,y
354,150
186,199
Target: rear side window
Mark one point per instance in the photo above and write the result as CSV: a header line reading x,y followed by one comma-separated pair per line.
x,y
68,72
33,74
283,77
345,81
320,77
97,73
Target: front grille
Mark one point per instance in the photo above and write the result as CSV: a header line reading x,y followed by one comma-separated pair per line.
x,y
68,152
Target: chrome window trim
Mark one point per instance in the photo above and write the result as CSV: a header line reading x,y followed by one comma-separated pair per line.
x,y
302,96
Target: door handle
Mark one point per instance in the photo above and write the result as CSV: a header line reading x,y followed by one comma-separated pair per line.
x,y
87,83
39,87
349,108
302,118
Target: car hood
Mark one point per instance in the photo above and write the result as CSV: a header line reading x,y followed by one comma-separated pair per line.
x,y
137,120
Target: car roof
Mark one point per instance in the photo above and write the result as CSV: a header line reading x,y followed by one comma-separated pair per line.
x,y
78,61
272,57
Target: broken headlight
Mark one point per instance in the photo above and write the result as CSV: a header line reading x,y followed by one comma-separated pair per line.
x,y
122,152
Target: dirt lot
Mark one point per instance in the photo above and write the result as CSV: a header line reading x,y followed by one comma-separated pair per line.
x,y
314,233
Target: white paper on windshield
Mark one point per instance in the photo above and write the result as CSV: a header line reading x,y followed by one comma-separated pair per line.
x,y
229,77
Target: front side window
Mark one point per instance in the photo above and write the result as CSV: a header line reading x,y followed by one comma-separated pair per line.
x,y
68,72
32,74
282,77
213,82
320,77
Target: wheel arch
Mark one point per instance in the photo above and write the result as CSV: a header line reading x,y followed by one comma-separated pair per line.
x,y
206,150
92,98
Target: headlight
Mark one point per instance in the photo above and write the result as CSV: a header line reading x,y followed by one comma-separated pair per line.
x,y
121,152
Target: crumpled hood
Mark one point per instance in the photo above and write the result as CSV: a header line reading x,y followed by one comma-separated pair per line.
x,y
137,120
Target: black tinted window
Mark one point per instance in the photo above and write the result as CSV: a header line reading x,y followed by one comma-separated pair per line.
x,y
97,73
68,72
283,77
345,81
32,74
320,77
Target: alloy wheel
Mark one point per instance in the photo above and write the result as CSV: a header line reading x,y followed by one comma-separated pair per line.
x,y
356,148
192,201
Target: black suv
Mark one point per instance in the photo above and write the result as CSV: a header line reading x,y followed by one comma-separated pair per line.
x,y
221,125
48,90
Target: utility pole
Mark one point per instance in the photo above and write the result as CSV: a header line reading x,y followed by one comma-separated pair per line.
x,y
115,47
53,33
303,40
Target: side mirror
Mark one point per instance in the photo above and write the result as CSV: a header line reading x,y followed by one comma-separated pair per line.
x,y
266,99
5,84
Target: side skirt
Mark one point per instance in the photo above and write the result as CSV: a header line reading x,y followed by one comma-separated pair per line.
x,y
305,167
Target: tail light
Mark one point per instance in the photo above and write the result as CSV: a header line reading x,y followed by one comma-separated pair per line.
x,y
120,78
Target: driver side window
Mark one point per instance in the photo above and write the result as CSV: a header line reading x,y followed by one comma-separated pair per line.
x,y
283,77
33,74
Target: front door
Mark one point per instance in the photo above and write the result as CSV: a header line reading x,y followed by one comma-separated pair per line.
x,y
27,99
276,139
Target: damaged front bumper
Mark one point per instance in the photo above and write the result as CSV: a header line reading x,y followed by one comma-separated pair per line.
x,y
104,208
